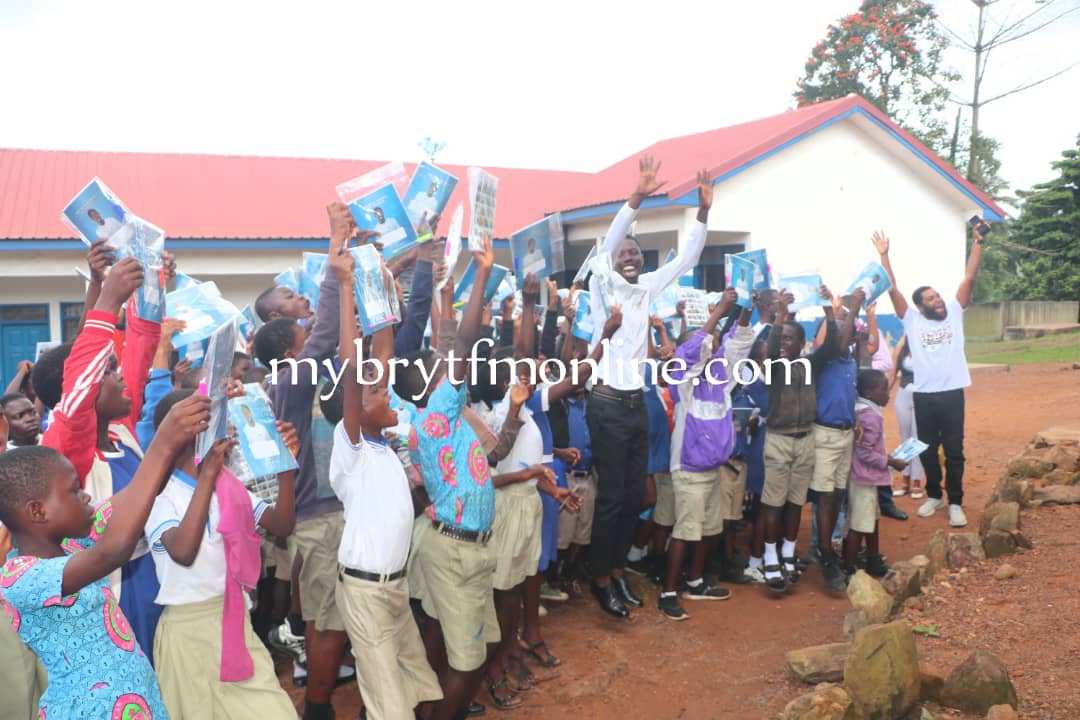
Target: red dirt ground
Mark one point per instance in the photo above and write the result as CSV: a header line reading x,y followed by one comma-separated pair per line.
x,y
727,660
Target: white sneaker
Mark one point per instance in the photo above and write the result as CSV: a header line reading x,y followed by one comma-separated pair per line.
x,y
931,506
756,575
957,518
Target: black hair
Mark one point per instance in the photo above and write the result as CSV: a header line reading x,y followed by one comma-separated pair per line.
x,y
686,335
263,302
167,403
332,406
256,374
916,297
48,374
800,331
23,478
868,380
12,397
239,357
409,382
274,339
190,379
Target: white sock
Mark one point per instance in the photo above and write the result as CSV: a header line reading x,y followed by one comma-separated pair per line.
x,y
756,562
635,553
298,671
668,594
789,548
771,559
695,583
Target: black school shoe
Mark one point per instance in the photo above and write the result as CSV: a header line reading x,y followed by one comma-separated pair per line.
x,y
876,567
671,608
625,593
608,598
835,580
775,584
705,591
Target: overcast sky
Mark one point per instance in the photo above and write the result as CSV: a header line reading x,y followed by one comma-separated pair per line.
x,y
570,85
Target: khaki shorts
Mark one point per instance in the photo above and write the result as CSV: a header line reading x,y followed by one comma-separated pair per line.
x,y
664,511
318,540
25,678
575,528
789,464
733,488
456,589
832,458
391,667
515,535
862,511
699,510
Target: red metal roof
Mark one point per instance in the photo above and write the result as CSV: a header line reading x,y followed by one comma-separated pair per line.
x,y
215,196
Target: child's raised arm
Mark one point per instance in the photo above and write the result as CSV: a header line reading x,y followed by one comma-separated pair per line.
x,y
183,542
280,519
469,329
131,506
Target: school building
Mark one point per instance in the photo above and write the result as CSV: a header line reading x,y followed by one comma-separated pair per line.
x,y
809,185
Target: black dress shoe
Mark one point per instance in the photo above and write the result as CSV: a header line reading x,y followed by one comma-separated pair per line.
x,y
892,511
474,710
609,600
622,587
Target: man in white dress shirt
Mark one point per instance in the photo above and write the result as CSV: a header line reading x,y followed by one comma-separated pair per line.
x,y
534,261
106,227
617,418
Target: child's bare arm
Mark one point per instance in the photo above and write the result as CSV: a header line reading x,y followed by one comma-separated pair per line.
x,y
280,519
183,542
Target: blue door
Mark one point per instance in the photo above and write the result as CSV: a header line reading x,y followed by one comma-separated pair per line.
x,y
22,327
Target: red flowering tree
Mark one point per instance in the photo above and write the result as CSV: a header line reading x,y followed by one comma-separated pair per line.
x,y
890,53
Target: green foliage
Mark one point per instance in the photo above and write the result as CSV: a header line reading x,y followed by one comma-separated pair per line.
x,y
1045,239
890,53
1063,348
927,630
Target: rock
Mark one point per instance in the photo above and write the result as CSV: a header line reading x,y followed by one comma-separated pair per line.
x,y
882,671
1005,572
1022,540
1064,456
1012,489
965,549
998,543
938,552
977,684
931,683
902,581
914,603
1024,466
1058,494
1061,477
1000,516
818,664
1001,712
921,563
866,594
854,621
826,702
1057,435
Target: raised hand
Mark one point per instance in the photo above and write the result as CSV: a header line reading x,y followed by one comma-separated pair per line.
x,y
553,294
98,259
428,224
507,308
168,263
613,323
530,289
211,465
341,263
169,327
881,242
184,421
485,259
289,437
856,300
235,389
342,225
647,183
519,394
705,189
125,278
825,293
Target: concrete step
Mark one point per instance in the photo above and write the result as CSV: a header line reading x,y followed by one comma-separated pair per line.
x,y
1034,331
983,368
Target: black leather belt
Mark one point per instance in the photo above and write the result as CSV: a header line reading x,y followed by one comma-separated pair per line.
x,y
580,473
793,436
629,398
841,426
373,577
458,534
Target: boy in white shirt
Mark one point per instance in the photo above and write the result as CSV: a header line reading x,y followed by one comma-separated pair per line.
x,y
372,592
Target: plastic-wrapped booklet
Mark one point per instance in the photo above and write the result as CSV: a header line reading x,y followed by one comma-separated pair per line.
x,y
381,211
202,309
453,245
909,450
538,248
373,296
585,269
695,307
219,359
762,271
288,278
261,448
583,319
428,192
873,280
806,289
463,290
742,279
311,275
483,187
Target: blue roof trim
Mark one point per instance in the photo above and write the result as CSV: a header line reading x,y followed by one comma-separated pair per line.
x,y
613,207
60,245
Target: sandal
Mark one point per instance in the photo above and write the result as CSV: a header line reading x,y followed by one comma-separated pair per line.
x,y
547,660
519,673
917,492
792,574
775,584
505,701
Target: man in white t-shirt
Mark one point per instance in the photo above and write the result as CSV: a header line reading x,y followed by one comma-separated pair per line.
x,y
935,332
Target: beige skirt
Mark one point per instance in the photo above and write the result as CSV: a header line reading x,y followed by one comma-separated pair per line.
x,y
515,534
187,658
24,677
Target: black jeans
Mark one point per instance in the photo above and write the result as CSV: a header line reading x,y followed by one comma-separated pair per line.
x,y
619,433
939,418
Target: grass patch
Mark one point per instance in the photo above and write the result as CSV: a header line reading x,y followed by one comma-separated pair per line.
x,y
1048,349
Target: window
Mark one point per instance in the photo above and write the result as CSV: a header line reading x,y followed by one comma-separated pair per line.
x,y
70,315
24,313
650,260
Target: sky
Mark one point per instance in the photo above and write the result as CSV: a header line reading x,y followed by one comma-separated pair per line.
x,y
563,85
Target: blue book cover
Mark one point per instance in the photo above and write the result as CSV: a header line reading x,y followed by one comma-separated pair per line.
x,y
762,271
742,279
538,249
428,192
260,442
288,278
805,288
372,298
464,289
873,280
219,359
148,301
583,319
95,213
203,310
194,353
247,322
311,275
183,280
909,450
383,212
666,304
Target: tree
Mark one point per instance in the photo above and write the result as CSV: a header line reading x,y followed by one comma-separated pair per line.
x,y
1045,239
990,34
890,53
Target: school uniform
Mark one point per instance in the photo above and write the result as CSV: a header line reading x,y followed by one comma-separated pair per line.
x,y
659,463
834,424
188,642
571,429
869,469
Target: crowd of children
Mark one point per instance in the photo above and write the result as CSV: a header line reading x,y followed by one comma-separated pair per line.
x,y
428,518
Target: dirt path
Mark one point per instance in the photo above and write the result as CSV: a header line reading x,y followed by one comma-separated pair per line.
x,y
727,661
